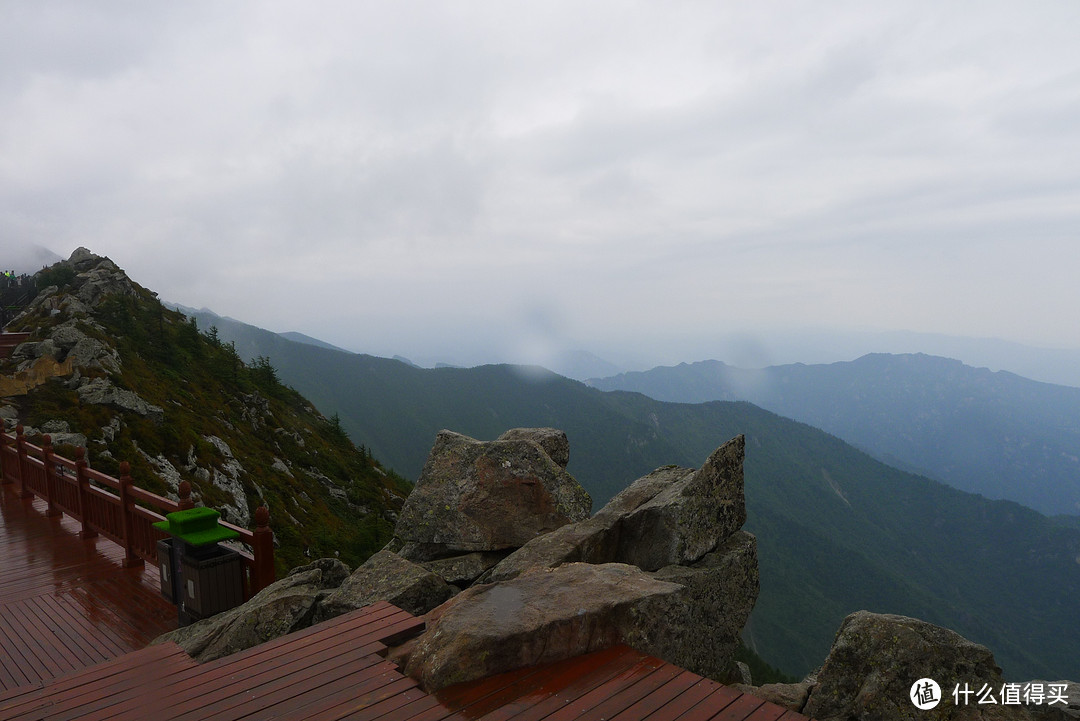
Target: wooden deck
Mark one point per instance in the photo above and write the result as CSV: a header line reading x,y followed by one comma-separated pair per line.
x,y
335,671
74,625
617,684
331,671
67,603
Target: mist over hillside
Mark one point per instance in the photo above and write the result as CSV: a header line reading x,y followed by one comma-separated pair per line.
x,y
24,258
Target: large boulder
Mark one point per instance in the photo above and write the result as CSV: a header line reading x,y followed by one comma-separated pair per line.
x,y
535,619
719,592
386,576
689,517
486,496
876,659
594,540
282,607
672,516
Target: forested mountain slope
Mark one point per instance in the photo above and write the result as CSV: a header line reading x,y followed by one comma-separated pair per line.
x,y
108,367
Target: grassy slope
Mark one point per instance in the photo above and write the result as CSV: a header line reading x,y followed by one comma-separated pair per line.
x,y
204,390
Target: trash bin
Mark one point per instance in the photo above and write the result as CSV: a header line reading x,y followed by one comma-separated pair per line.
x,y
205,578
212,581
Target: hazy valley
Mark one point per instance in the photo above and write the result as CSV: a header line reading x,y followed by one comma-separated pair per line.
x,y
837,530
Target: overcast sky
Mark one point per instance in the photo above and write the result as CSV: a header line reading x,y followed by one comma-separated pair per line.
x,y
632,179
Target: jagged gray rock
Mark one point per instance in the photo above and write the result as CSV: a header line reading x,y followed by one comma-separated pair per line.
x,y
552,440
719,592
280,608
673,515
876,658
534,619
688,518
386,576
486,496
100,391
101,278
594,540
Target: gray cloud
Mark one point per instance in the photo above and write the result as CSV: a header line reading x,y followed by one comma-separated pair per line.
x,y
648,173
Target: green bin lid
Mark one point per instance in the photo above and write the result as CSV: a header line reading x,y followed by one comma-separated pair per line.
x,y
196,527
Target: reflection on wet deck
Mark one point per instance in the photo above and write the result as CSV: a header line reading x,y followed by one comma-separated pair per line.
x,y
67,603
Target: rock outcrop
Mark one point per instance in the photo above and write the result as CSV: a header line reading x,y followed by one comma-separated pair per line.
x,y
680,524
594,540
280,608
386,576
538,618
875,660
708,614
575,585
100,391
486,496
672,516
688,518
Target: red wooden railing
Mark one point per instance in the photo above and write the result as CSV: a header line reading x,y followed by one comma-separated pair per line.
x,y
116,508
8,341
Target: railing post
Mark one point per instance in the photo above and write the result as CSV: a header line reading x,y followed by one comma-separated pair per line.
x,y
84,493
5,477
262,546
185,496
126,503
4,463
20,447
50,476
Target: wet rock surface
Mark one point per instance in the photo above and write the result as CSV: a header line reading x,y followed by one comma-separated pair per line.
x,y
538,618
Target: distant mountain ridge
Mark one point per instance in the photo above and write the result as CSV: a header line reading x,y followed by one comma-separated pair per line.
x,y
301,338
993,433
837,531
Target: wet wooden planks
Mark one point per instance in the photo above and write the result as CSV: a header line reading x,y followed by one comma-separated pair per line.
x,y
335,671
330,671
67,603
617,684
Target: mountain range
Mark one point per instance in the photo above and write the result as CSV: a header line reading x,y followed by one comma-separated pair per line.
x,y
992,433
837,530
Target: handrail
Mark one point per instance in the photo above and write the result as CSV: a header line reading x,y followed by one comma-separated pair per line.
x,y
116,508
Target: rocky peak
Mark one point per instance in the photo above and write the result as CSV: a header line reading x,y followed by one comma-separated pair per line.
x,y
134,381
